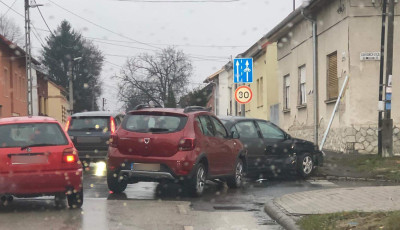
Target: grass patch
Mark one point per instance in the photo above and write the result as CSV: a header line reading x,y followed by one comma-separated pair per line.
x,y
351,220
374,165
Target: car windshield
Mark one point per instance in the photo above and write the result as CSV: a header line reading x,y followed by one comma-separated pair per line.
x,y
308,92
148,123
31,134
89,124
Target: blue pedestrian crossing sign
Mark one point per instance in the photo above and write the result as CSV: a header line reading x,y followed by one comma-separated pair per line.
x,y
243,70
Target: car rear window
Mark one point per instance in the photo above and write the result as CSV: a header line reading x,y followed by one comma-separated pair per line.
x,y
27,134
89,124
154,123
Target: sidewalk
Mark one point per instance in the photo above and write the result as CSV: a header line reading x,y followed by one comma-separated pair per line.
x,y
287,209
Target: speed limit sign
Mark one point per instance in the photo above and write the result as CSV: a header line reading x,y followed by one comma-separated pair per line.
x,y
243,94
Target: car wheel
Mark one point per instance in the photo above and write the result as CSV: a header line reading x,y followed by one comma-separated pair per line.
x,y
59,200
75,199
305,165
114,183
197,183
236,180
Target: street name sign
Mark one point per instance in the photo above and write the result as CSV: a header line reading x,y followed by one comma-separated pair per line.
x,y
370,56
243,94
243,70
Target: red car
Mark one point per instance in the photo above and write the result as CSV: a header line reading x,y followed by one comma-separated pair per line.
x,y
38,158
187,145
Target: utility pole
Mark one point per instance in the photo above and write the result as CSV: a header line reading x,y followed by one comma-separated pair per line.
x,y
294,5
382,61
104,102
387,125
28,58
71,89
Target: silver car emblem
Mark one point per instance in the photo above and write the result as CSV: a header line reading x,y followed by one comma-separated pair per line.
x,y
28,150
146,140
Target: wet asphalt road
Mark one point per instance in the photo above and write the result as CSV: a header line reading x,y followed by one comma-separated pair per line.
x,y
148,205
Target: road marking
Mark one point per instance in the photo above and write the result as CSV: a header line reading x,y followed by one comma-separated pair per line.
x,y
182,210
321,182
188,228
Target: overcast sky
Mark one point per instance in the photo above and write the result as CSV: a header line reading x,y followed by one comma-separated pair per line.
x,y
209,31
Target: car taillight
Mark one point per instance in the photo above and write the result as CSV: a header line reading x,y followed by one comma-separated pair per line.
x,y
114,140
67,124
70,155
187,144
112,125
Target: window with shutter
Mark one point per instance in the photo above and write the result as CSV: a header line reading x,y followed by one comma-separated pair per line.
x,y
332,77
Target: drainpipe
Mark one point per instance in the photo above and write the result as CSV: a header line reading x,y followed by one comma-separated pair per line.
x,y
315,72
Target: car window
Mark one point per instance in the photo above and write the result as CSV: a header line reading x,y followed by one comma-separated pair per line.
x,y
154,123
89,123
18,135
270,131
247,129
207,126
118,120
198,123
220,130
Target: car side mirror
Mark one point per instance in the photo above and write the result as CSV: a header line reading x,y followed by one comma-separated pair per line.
x,y
235,135
288,137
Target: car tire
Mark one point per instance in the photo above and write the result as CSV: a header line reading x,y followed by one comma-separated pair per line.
x,y
197,182
75,199
113,182
236,181
305,165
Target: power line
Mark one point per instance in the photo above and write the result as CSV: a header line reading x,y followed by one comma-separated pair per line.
x,y
9,8
43,18
102,27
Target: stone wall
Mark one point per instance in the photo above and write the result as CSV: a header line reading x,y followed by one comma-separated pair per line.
x,y
355,139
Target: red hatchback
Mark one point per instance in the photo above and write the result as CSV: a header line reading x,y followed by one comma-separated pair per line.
x,y
38,158
186,145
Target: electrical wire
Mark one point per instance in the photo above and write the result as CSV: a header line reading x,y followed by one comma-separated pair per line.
x,y
102,27
44,19
8,9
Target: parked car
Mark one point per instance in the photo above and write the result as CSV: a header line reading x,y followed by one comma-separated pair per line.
x,y
37,158
187,145
90,133
272,149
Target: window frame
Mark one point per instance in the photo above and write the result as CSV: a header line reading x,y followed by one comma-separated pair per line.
x,y
302,92
286,92
328,96
274,127
255,127
214,120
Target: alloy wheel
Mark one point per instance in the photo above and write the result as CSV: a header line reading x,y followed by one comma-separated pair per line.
x,y
307,165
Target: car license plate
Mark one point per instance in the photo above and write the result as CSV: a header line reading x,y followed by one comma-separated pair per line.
x,y
88,140
145,167
28,159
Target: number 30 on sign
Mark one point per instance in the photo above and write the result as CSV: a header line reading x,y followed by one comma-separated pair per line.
x,y
243,94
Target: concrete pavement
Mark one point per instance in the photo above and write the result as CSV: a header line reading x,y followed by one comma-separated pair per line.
x,y
287,208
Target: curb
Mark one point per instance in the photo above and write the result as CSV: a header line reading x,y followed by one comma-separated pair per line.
x,y
279,216
347,178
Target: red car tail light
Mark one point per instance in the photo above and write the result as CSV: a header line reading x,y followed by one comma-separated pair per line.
x,y
69,155
187,144
114,140
67,124
112,125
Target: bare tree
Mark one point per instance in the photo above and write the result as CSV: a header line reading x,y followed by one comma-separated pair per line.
x,y
10,30
159,78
